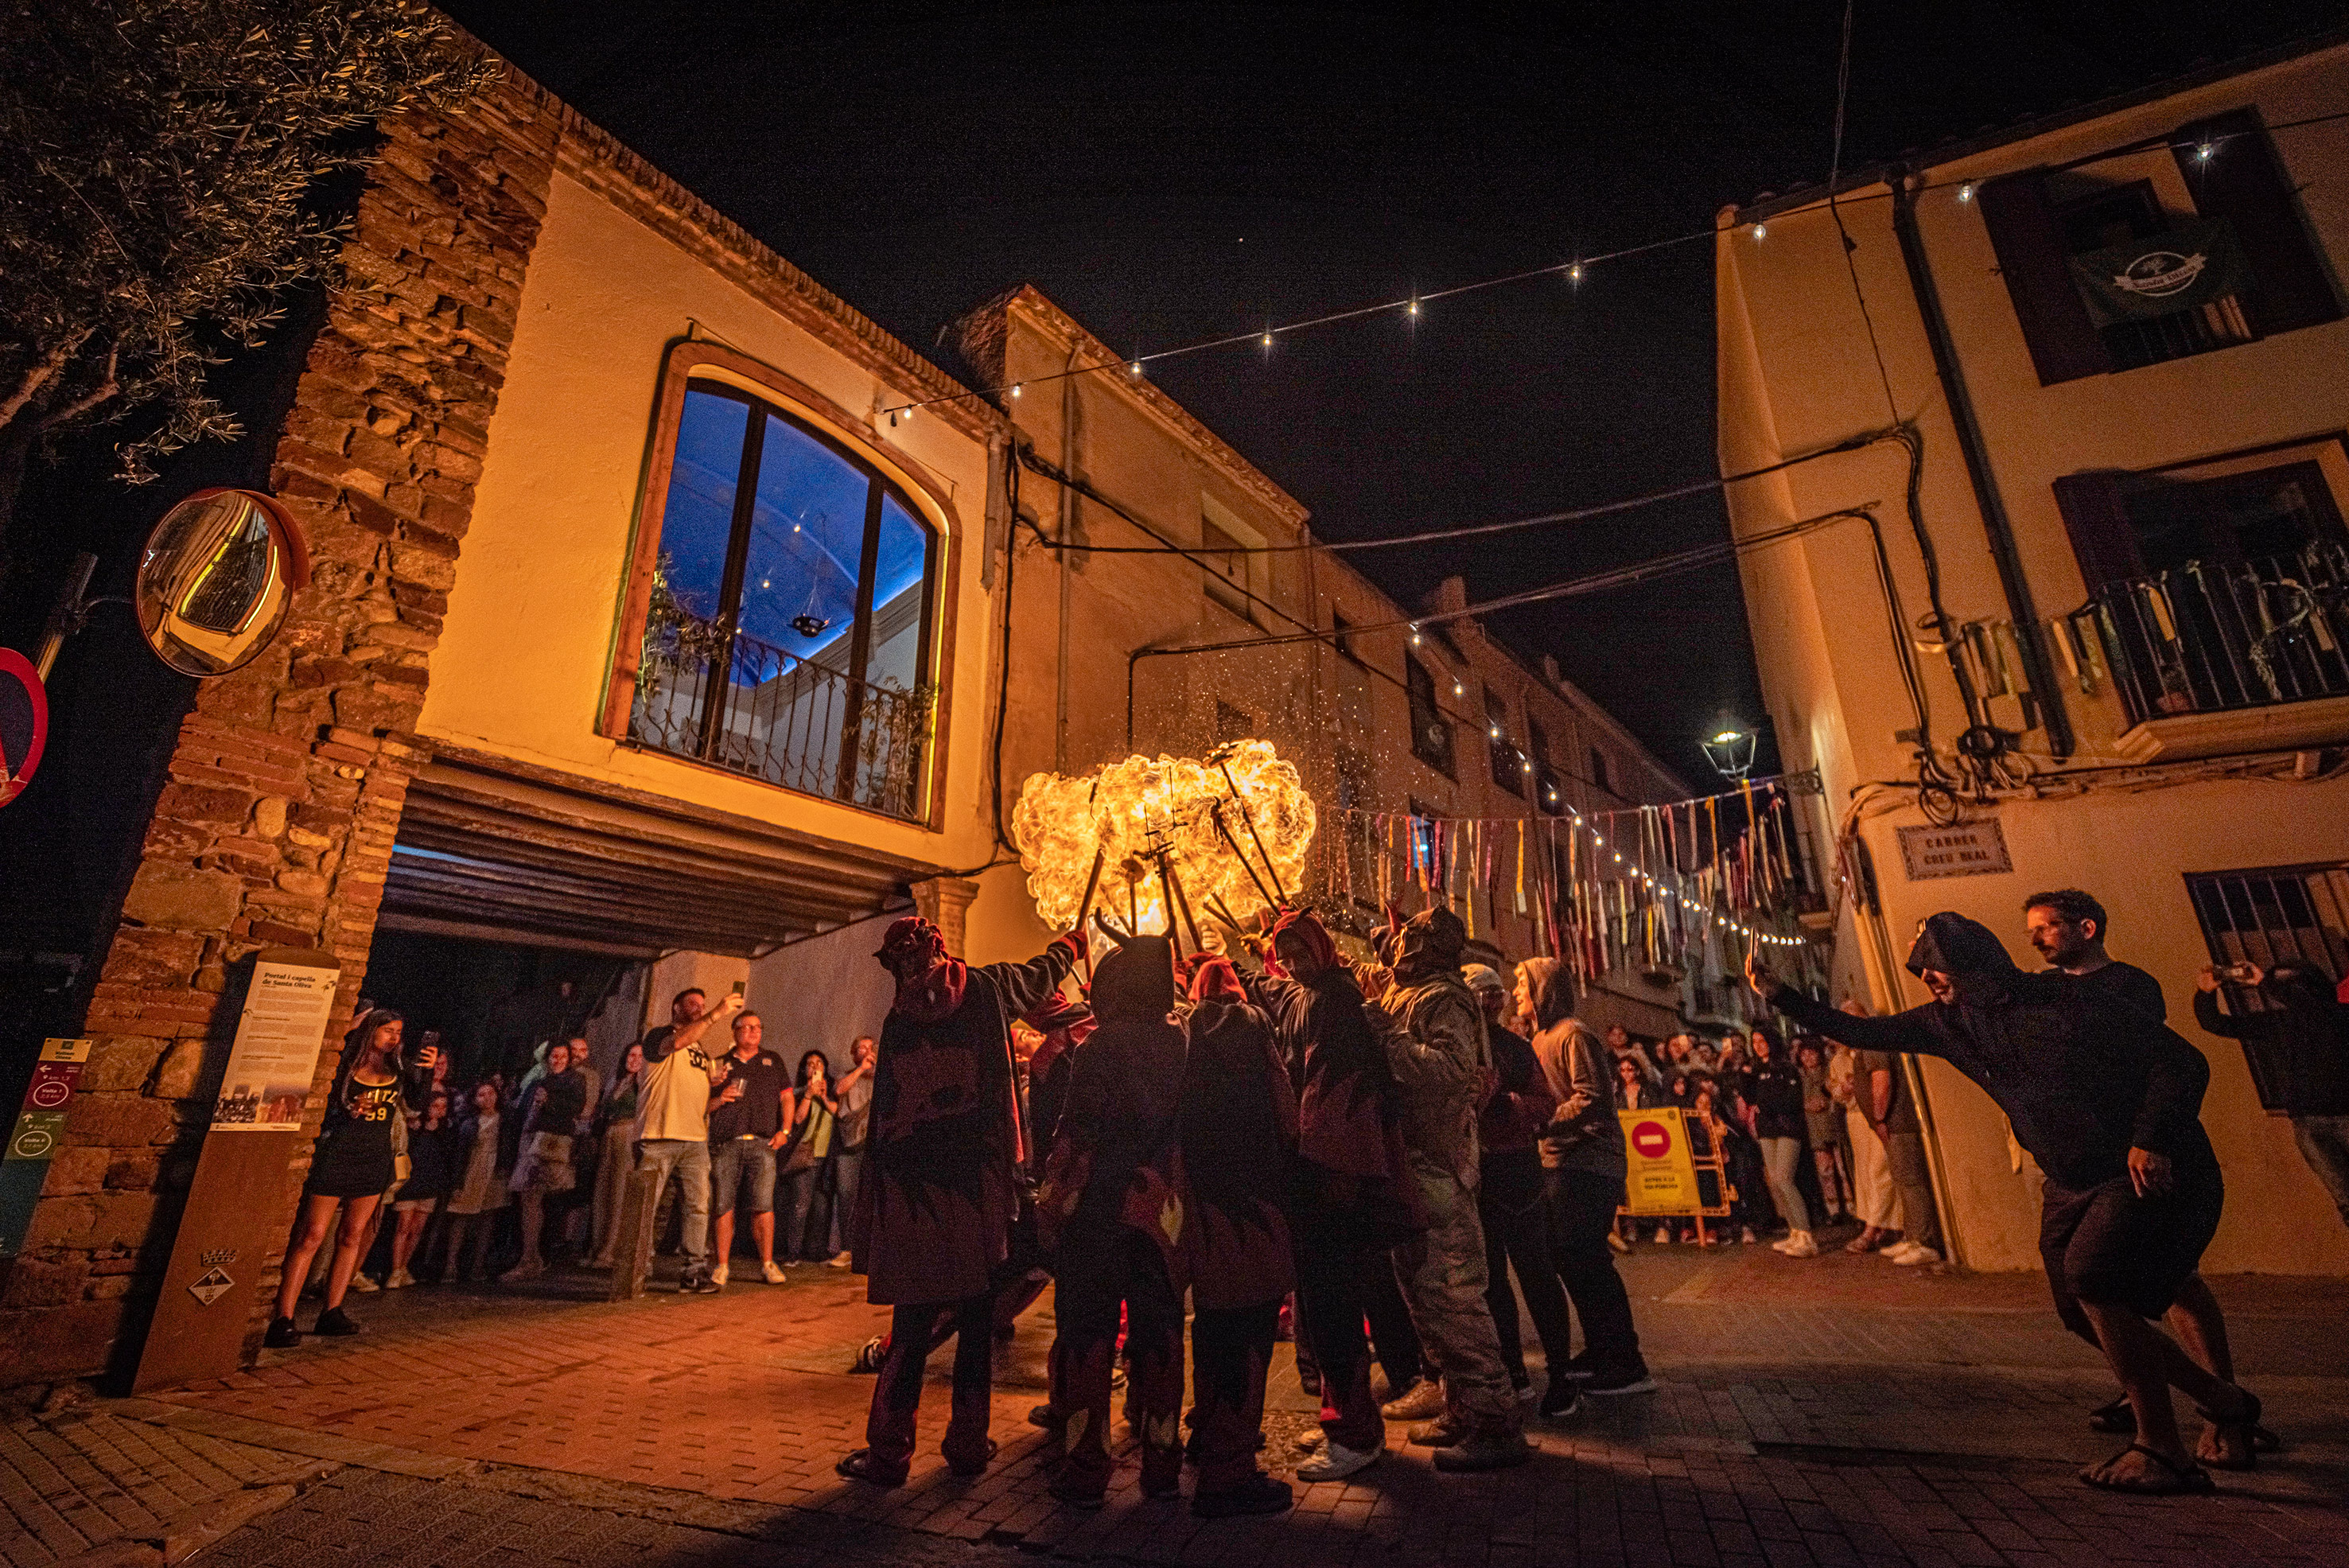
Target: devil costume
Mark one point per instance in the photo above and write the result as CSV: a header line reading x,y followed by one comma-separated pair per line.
x,y
933,1223
1352,1204
1111,1214
1240,1141
2082,1082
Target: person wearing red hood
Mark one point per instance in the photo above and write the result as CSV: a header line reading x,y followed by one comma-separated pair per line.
x,y
1352,1204
1111,1214
933,1223
2109,1102
1239,1146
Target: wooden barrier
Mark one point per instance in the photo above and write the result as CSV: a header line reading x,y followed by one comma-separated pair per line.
x,y
632,1243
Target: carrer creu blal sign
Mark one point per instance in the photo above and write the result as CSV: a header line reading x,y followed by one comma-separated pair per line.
x,y
1976,848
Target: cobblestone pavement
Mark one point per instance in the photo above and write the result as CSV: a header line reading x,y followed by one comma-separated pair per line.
x,y
1830,1418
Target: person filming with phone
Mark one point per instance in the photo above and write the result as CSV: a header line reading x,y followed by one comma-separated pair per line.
x,y
2300,1035
673,1124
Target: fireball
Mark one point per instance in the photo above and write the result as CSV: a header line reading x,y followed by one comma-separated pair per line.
x,y
1127,811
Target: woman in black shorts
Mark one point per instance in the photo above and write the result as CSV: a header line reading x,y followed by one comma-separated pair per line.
x,y
351,1166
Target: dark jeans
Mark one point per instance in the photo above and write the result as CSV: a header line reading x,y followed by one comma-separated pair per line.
x,y
847,1176
1230,1347
897,1393
1516,1234
1329,1278
1100,1271
805,1214
1581,1205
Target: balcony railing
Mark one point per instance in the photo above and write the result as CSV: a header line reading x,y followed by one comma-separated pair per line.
x,y
2208,638
783,719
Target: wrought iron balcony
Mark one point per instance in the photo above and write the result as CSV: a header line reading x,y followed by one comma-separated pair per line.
x,y
2212,638
752,708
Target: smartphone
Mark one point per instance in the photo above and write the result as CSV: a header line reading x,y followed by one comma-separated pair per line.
x,y
424,1042
740,986
2241,973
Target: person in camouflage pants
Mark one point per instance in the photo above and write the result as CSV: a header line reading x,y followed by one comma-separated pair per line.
x,y
1434,1032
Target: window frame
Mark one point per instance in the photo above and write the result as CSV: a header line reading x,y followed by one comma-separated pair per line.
x,y
1446,763
1231,583
1506,760
924,496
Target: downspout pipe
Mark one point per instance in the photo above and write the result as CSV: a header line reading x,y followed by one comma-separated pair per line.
x,y
2045,694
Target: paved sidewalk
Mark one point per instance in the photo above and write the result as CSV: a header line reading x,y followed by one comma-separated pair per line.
x,y
1811,1415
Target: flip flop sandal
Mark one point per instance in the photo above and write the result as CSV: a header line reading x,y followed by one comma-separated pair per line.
x,y
2117,1418
2249,1427
967,1470
861,1466
2185,1479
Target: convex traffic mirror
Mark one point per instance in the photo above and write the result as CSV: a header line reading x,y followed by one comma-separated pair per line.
x,y
216,579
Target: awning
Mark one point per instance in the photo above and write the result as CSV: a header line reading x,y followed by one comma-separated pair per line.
x,y
509,851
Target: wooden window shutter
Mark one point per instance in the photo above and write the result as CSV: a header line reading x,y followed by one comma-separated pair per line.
x,y
2244,182
2102,539
2031,257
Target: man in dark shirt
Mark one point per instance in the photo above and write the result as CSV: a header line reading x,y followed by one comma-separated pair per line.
x,y
688,1007
747,1123
2066,926
2109,1102
2300,1035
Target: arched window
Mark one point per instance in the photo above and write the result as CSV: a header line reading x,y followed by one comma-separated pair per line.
x,y
789,619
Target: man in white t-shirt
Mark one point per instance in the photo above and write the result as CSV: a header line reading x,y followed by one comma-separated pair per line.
x,y
673,1129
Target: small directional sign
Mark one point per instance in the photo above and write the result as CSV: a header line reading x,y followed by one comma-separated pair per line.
x,y
211,1285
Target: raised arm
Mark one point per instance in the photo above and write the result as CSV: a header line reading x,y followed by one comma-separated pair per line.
x,y
1025,985
1911,1031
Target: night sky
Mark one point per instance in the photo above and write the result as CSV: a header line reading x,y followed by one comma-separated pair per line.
x,y
1173,172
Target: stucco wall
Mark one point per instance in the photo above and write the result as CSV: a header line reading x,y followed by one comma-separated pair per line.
x,y
522,668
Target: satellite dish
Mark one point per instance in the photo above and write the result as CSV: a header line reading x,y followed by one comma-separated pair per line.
x,y
216,579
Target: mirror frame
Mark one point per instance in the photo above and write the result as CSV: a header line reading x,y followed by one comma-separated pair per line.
x,y
293,562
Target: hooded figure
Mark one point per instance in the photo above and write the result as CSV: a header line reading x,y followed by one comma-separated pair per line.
x,y
933,1223
2109,1102
1239,1142
1432,1032
2298,1047
1111,1210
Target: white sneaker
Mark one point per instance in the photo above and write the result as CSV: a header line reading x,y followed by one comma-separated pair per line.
x,y
1336,1462
1799,1244
717,1275
1663,1235
1311,1441
839,1259
364,1285
1917,1252
772,1272
1746,1236
400,1279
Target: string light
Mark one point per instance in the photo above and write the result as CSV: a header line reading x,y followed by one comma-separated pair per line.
x,y
1761,230
1966,192
1415,304
1137,366
1574,273
2203,152
1015,389
1267,340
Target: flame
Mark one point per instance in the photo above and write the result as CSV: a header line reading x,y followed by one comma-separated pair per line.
x,y
1132,809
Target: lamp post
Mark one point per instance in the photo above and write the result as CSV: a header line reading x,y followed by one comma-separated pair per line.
x,y
1731,752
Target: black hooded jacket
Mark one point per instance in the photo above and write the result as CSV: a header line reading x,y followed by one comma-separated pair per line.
x,y
1125,1095
2082,1082
2300,1040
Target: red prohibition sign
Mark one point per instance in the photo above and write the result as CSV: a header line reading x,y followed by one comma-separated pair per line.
x,y
23,723
1651,1141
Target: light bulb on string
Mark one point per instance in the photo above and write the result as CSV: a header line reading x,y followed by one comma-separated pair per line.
x,y
2203,153
1137,366
1267,340
1413,308
1574,273
1015,389
1761,230
1966,192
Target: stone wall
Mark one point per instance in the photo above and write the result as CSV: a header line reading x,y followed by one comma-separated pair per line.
x,y
286,785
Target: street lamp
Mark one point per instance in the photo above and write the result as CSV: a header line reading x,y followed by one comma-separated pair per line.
x,y
1731,752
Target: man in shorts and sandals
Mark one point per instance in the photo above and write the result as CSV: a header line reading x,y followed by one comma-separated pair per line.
x,y
2109,1102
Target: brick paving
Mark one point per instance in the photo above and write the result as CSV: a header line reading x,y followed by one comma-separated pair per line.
x,y
1940,1431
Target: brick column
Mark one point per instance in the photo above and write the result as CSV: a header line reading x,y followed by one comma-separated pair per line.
x,y
286,785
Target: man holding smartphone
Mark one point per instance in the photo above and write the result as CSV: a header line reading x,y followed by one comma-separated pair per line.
x,y
673,1127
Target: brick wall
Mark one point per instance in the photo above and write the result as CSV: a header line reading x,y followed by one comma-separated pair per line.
x,y
286,785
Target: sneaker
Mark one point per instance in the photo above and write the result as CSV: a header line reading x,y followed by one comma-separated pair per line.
x,y
1609,1385
398,1279
772,1272
1800,1245
1489,1451
1897,1250
1917,1252
1257,1495
1747,1235
722,1274
1336,1462
282,1334
838,1261
1313,1440
1444,1432
1423,1401
697,1283
1563,1399
1663,1235
364,1285
334,1323
1615,1240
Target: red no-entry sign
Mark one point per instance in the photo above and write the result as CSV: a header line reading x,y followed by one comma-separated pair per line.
x,y
1650,1141
23,723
